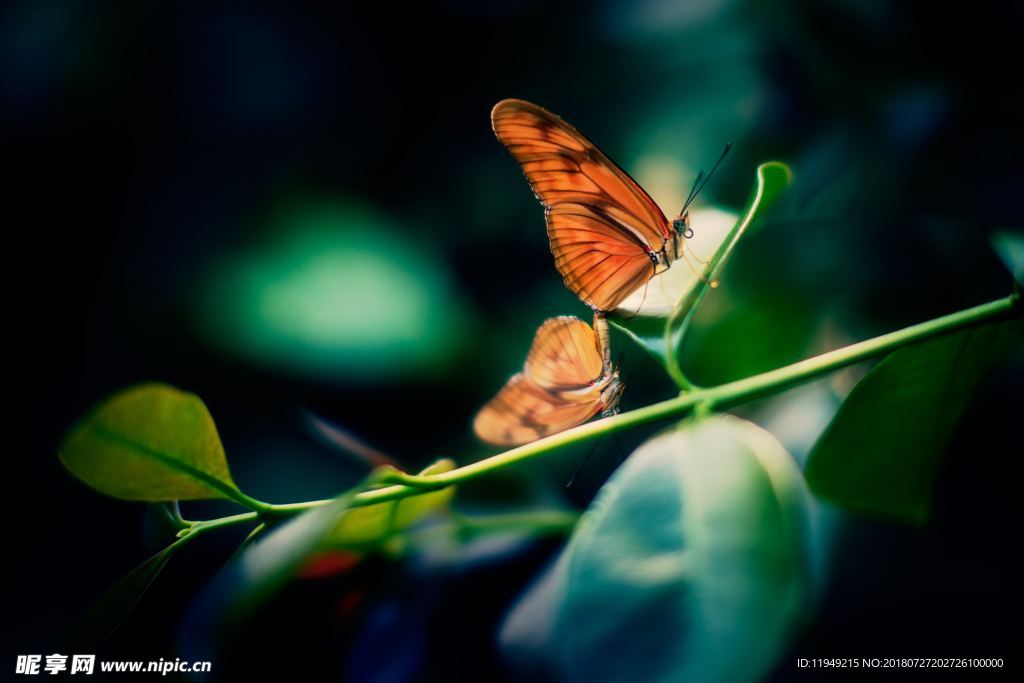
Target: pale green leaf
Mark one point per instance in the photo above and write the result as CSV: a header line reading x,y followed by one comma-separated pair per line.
x,y
690,565
151,442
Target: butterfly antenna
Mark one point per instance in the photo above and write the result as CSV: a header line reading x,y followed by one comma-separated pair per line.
x,y
693,190
693,193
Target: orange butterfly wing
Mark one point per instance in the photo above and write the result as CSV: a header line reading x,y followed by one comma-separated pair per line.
x,y
602,226
523,412
557,389
564,356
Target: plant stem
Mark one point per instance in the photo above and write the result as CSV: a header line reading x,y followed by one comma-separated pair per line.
x,y
209,524
684,309
672,366
783,378
725,395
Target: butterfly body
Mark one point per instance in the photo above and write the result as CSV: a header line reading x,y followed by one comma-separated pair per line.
x,y
672,249
611,394
607,235
566,380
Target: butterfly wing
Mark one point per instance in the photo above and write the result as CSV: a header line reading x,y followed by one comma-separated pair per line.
x,y
523,412
565,355
595,262
557,389
602,225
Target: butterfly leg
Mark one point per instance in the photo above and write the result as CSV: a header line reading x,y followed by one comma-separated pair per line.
x,y
698,259
694,270
618,447
579,468
601,329
586,458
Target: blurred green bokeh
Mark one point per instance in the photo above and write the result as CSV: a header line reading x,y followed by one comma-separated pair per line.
x,y
336,292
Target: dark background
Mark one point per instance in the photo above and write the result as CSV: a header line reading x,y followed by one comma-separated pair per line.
x,y
157,151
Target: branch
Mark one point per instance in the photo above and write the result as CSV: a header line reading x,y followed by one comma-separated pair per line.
x,y
725,395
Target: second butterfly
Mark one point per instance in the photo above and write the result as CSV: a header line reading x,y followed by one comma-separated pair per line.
x,y
568,378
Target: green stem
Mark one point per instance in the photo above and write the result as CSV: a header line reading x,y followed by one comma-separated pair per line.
x,y
672,366
258,506
682,312
392,475
725,395
208,525
196,529
783,378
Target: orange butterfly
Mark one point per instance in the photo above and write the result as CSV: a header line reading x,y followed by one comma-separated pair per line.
x,y
607,235
568,378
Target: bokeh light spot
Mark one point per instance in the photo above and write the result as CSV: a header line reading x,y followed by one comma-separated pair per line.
x,y
337,292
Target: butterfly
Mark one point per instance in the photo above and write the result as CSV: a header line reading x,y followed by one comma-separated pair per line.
x,y
607,235
567,379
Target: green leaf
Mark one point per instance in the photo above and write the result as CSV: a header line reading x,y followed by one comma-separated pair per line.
x,y
758,331
659,325
1010,247
688,566
364,527
880,453
151,442
115,606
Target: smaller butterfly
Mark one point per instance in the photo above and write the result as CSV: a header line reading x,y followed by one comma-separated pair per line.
x,y
567,379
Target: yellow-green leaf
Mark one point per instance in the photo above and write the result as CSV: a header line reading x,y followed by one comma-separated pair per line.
x,y
151,442
367,526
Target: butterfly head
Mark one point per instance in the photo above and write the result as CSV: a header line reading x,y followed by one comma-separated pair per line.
x,y
681,231
681,224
